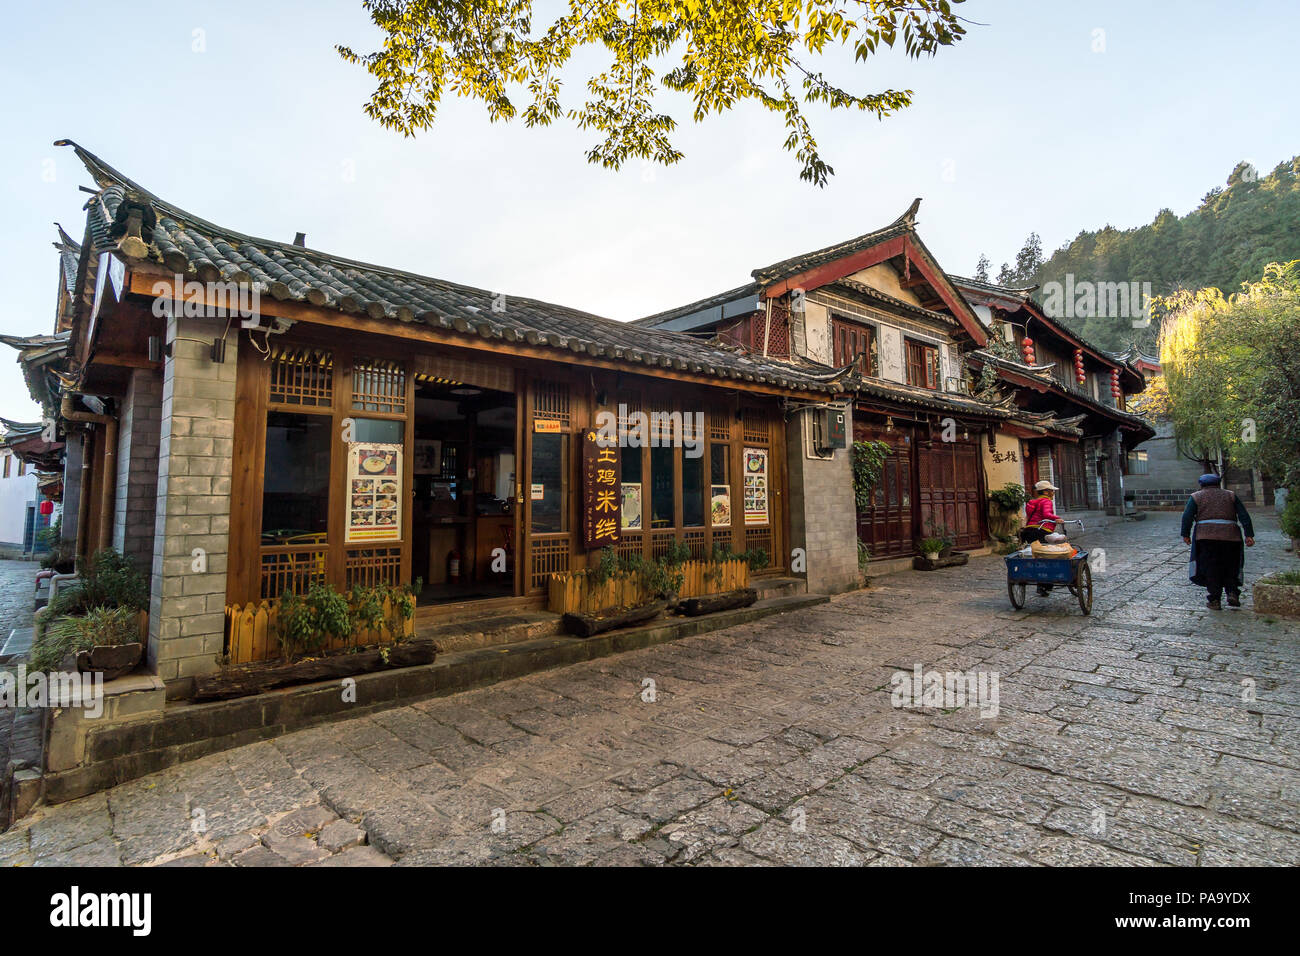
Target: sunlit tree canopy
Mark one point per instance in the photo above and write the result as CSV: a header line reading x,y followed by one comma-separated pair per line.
x,y
719,54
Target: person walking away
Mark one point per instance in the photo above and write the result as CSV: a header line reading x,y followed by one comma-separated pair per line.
x,y
1213,522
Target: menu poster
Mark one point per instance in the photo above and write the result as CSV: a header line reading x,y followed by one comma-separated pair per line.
x,y
756,478
720,505
601,491
631,506
375,489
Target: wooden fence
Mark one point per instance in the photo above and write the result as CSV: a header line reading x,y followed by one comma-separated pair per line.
x,y
575,591
251,636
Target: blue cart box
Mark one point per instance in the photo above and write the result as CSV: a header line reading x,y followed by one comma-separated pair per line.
x,y
1043,570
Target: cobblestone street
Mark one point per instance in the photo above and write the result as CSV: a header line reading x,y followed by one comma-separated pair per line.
x,y
1130,737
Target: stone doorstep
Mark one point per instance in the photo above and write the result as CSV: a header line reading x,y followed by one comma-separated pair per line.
x,y
491,631
155,740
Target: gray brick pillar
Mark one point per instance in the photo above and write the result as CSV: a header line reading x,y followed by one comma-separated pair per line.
x,y
823,518
196,441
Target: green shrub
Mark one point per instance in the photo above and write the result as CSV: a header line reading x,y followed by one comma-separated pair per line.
x,y
107,580
1009,498
306,624
1290,517
1291,578
98,627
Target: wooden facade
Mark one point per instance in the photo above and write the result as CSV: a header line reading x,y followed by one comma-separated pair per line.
x,y
340,378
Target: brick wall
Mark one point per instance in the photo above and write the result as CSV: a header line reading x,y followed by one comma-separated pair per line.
x,y
822,516
136,494
196,440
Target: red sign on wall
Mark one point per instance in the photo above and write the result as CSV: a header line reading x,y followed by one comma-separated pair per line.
x,y
601,494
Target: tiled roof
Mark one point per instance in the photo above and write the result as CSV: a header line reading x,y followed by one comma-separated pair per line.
x,y
1045,373
186,243
810,260
700,305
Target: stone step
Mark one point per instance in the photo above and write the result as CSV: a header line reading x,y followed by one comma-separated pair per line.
x,y
464,634
769,588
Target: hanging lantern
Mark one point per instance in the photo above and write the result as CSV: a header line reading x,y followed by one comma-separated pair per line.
x,y
47,507
1027,349
1080,375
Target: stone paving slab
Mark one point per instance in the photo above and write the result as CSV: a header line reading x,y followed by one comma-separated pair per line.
x,y
1153,733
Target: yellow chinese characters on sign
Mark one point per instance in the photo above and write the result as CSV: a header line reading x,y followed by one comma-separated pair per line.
x,y
601,493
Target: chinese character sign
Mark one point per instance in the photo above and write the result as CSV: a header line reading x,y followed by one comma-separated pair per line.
x,y
601,491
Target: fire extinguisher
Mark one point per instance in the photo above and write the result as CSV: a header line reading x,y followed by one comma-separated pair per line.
x,y
453,566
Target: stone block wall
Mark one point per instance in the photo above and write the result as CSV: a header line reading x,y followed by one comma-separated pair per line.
x,y
822,516
196,442
136,493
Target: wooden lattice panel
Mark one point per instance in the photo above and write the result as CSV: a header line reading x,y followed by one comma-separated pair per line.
x,y
719,419
627,404
760,538
548,556
302,377
291,570
367,567
379,386
660,541
698,542
757,426
629,544
551,401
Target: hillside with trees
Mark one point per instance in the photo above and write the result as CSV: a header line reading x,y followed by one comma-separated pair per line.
x,y
1227,240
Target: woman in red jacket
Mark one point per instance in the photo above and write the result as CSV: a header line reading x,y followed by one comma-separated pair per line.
x,y
1041,518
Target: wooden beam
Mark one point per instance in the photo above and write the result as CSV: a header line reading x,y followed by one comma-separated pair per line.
x,y
122,361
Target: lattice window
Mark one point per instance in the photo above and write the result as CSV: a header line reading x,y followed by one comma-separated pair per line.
x,y
757,425
379,386
551,401
722,539
627,405
302,377
294,571
719,419
549,555
367,567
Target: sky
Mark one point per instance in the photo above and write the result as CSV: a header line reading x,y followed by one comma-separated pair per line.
x,y
1052,117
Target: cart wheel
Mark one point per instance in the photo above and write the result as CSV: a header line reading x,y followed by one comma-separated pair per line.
x,y
1016,591
1085,587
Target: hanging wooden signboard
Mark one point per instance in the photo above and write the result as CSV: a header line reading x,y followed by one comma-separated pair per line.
x,y
601,491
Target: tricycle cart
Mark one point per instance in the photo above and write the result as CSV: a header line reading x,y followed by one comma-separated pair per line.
x,y
1074,573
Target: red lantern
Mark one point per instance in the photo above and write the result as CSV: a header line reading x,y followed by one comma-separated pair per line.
x,y
47,507
1027,349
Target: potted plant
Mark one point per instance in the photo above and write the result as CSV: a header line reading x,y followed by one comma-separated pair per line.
x,y
104,640
932,547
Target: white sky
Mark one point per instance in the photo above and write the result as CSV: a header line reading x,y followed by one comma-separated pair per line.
x,y
1020,127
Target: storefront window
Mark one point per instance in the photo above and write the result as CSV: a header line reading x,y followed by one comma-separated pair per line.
x,y
661,487
720,486
550,483
692,491
295,484
633,501
378,430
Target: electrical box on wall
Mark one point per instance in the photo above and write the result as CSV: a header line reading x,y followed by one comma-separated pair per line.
x,y
830,431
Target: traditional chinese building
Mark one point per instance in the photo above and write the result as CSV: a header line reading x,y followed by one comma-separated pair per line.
x,y
247,416
881,307
1072,426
